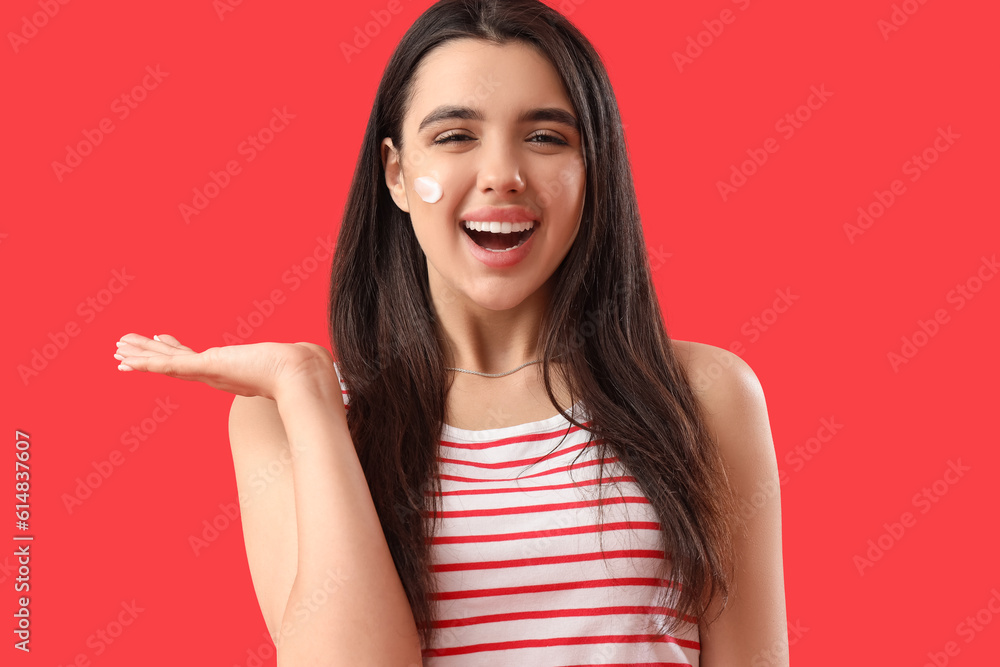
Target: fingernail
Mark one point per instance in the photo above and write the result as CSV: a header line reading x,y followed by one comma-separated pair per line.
x,y
124,367
156,338
120,343
119,357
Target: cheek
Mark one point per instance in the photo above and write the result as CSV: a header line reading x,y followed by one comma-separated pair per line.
x,y
564,189
573,180
576,176
428,188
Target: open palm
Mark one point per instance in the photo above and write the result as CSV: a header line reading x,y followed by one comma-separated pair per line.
x,y
255,369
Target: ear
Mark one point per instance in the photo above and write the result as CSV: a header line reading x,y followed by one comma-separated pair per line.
x,y
394,174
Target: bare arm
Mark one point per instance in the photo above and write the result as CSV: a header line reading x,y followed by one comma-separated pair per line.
x,y
752,630
263,465
346,599
325,579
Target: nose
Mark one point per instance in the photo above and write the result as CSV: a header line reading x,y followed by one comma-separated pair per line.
x,y
499,170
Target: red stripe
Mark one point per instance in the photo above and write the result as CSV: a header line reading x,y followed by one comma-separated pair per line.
x,y
572,466
527,437
554,586
526,489
529,509
520,462
573,530
551,613
559,641
546,560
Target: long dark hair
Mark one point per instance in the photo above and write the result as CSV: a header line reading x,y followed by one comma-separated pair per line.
x,y
603,321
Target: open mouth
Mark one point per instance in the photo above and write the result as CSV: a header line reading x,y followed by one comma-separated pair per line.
x,y
498,236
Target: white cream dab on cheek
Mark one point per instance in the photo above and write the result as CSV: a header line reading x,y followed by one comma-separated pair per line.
x,y
428,189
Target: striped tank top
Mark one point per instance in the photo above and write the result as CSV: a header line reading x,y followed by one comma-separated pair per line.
x,y
517,555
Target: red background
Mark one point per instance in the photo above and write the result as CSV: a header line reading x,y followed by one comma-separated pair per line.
x,y
718,264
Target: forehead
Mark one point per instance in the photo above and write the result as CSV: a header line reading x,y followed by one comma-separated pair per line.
x,y
498,79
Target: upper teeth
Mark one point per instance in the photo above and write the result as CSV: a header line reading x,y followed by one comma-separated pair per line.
x,y
499,227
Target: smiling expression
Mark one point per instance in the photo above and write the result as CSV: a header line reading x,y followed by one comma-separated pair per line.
x,y
494,127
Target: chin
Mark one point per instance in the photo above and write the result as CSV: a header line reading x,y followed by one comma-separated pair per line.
x,y
498,304
503,297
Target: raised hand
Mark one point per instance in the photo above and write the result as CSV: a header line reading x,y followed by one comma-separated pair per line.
x,y
256,369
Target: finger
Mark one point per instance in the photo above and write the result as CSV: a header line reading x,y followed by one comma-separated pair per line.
x,y
133,350
141,343
135,341
170,340
183,365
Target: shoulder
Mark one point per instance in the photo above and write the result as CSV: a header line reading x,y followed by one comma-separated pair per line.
x,y
754,620
719,378
734,408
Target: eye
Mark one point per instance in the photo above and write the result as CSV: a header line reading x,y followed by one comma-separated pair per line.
x,y
456,137
549,139
449,138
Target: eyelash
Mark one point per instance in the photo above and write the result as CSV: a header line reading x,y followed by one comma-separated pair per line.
x,y
447,139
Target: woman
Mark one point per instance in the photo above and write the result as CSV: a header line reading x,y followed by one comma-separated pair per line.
x,y
491,269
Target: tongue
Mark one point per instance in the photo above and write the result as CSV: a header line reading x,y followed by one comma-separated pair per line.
x,y
494,241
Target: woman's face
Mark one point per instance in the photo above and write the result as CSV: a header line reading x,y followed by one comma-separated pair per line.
x,y
494,127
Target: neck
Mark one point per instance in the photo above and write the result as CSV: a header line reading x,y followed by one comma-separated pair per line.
x,y
487,340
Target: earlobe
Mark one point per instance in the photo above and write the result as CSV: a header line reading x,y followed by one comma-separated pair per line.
x,y
394,178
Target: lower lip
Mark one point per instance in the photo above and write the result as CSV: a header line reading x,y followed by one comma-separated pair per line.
x,y
499,260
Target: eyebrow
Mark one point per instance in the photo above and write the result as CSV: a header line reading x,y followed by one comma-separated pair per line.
x,y
540,114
